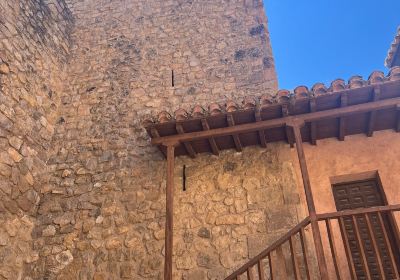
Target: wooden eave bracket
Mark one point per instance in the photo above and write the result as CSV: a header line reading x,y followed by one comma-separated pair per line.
x,y
289,133
261,133
342,120
188,146
236,139
313,125
372,115
398,118
211,140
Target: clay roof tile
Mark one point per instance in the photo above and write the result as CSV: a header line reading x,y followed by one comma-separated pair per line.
x,y
394,48
198,111
249,102
301,92
266,100
164,117
376,77
181,115
337,85
394,74
319,88
231,106
356,82
214,109
282,96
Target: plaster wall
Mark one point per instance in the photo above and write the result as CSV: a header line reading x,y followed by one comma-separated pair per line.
x,y
357,154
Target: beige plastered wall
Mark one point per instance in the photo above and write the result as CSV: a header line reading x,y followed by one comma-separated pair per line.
x,y
331,158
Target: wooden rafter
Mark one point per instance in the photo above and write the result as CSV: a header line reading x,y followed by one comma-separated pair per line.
x,y
289,134
188,145
398,118
261,133
342,120
281,122
236,139
313,125
372,115
154,135
211,140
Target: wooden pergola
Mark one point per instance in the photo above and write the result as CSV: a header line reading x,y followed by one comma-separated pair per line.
x,y
302,116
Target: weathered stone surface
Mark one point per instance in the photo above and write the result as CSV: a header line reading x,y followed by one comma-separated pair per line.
x,y
64,258
49,231
4,69
232,219
78,78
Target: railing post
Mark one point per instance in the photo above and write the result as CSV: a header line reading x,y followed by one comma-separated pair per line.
x,y
169,224
296,125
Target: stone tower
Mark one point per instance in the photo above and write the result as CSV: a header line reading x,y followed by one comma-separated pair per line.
x,y
82,190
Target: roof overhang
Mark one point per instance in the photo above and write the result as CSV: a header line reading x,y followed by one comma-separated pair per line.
x,y
393,57
343,109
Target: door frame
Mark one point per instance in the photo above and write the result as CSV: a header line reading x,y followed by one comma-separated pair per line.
x,y
368,176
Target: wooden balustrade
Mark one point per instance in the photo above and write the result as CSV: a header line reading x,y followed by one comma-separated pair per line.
x,y
362,233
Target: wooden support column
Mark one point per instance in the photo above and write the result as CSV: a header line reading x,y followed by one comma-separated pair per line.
x,y
296,124
169,223
372,115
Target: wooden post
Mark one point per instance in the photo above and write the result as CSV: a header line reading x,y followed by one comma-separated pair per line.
x,y
169,224
296,124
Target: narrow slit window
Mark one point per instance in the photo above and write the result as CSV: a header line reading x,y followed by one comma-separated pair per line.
x,y
172,78
184,177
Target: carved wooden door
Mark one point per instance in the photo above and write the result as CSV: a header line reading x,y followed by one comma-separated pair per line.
x,y
365,194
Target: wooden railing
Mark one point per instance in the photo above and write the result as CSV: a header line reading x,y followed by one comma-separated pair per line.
x,y
272,262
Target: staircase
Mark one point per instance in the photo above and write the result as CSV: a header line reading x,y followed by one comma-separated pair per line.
x,y
357,244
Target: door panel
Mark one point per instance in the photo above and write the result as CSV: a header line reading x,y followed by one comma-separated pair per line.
x,y
365,194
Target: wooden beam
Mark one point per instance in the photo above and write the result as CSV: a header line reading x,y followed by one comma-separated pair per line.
x,y
188,145
310,200
342,120
169,223
154,134
261,133
398,118
372,115
280,122
236,139
313,125
289,136
211,140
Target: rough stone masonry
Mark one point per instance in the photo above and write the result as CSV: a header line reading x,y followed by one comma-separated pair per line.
x,y
82,191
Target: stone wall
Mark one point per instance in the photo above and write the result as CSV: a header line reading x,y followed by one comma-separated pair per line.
x,y
101,213
34,45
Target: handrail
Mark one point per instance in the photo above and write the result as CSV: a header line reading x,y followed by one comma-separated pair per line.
x,y
339,214
299,229
273,246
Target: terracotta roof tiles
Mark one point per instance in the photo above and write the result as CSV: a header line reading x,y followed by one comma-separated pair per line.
x,y
394,48
282,96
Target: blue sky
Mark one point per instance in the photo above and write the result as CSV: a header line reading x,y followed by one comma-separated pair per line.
x,y
321,40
